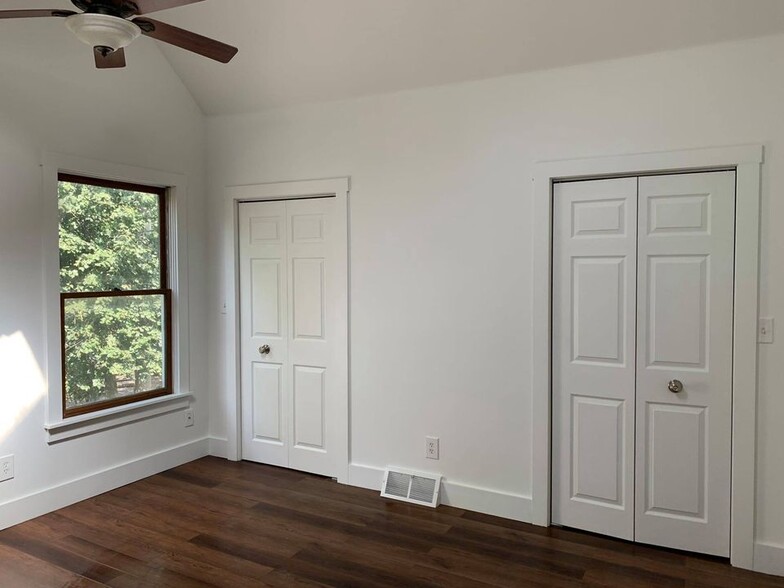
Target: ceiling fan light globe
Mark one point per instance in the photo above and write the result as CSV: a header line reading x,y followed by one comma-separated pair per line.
x,y
103,30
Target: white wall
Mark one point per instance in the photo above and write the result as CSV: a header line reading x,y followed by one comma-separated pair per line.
x,y
441,237
52,99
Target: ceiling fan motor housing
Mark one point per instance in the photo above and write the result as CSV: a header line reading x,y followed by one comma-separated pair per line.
x,y
121,8
105,32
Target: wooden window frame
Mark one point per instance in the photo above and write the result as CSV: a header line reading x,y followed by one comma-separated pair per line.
x,y
164,290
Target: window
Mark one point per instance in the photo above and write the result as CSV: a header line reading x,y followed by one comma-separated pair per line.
x,y
115,301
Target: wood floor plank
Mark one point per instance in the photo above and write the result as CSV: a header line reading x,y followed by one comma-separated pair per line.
x,y
24,570
379,574
508,574
191,478
170,552
526,552
202,497
146,571
217,468
242,550
175,516
632,578
142,513
346,512
217,523
55,555
284,579
109,510
430,569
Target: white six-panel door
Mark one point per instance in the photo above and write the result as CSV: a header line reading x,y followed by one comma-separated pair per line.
x,y
594,281
264,301
293,313
642,306
686,237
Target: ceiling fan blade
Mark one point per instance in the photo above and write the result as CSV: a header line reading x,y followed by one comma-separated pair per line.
x,y
148,6
186,40
37,13
112,60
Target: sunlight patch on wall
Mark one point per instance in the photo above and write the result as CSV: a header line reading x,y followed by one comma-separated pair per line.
x,y
22,384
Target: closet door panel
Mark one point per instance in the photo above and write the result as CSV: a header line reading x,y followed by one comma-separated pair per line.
x,y
684,339
594,269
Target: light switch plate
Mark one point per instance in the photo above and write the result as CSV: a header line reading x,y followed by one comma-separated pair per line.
x,y
765,331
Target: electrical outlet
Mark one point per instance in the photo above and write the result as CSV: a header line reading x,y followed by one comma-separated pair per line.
x,y
6,468
765,332
431,447
189,418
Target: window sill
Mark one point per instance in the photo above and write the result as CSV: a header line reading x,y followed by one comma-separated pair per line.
x,y
109,418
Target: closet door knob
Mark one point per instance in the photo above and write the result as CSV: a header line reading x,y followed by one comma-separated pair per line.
x,y
264,349
675,386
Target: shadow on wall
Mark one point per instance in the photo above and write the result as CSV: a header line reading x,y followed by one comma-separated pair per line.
x,y
22,383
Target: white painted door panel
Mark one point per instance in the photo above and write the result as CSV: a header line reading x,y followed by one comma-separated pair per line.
x,y
293,289
594,273
642,295
263,312
684,332
318,342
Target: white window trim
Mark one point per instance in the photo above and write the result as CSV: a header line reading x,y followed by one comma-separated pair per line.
x,y
92,422
57,428
747,160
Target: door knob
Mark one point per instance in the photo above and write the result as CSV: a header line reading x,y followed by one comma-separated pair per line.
x,y
675,386
264,349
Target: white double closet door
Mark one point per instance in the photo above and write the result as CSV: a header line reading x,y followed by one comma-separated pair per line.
x,y
642,358
293,316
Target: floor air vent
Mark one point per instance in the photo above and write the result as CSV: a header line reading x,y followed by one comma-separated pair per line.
x,y
414,487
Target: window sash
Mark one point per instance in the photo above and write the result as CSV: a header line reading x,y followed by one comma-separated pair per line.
x,y
162,211
167,388
164,290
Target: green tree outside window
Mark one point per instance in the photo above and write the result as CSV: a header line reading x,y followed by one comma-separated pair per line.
x,y
113,295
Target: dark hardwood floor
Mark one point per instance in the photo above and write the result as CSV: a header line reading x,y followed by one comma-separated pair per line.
x,y
218,523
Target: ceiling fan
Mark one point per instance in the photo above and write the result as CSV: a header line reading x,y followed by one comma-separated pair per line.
x,y
108,26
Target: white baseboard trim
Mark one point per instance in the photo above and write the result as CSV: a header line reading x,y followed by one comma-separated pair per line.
x,y
769,558
484,500
365,476
44,501
218,447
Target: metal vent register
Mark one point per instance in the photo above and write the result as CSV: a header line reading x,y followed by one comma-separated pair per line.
x,y
414,487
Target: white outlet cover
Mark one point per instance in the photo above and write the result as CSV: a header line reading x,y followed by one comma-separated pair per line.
x,y
765,331
6,468
432,449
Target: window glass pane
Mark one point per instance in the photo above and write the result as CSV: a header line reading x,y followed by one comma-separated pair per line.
x,y
113,347
109,239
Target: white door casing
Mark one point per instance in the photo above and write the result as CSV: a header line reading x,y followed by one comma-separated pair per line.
x,y
684,333
293,299
594,273
747,161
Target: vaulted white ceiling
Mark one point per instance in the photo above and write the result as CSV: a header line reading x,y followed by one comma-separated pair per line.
x,y
296,51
